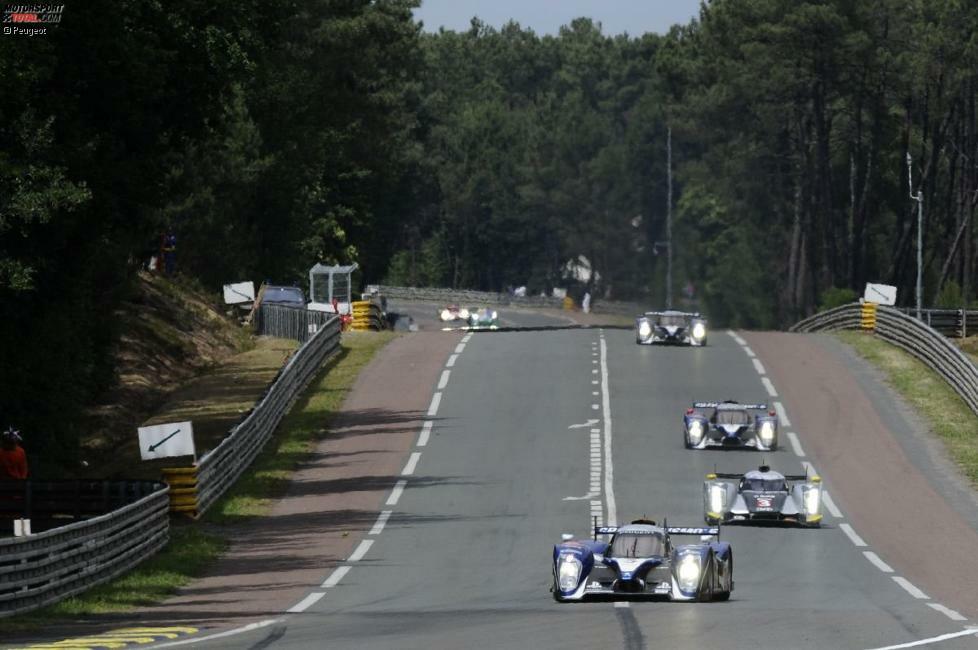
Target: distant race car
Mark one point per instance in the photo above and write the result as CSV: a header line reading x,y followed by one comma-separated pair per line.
x,y
640,559
730,424
452,313
485,318
675,327
763,495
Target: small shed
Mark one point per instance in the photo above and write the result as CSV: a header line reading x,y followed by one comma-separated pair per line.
x,y
329,282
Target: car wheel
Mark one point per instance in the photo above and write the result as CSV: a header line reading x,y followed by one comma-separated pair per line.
x,y
707,586
556,594
727,580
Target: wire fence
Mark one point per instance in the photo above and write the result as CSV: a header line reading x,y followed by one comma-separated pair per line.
x,y
296,323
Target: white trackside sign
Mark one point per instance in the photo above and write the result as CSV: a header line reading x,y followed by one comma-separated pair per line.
x,y
166,440
881,294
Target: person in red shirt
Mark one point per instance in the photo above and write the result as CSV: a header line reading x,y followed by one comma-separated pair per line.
x,y
13,460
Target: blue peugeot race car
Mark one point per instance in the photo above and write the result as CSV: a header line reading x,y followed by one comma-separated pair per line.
x,y
641,560
730,424
670,327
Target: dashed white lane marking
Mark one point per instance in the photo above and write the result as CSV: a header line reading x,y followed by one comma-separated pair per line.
x,y
460,348
910,588
381,522
594,382
594,371
396,493
622,604
933,639
830,504
451,361
609,469
736,338
782,414
306,602
851,534
877,562
360,550
749,352
795,444
412,463
595,406
435,403
759,367
443,381
769,387
947,611
222,635
425,433
595,393
334,578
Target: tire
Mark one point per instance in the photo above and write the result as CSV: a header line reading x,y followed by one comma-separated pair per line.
x,y
708,581
727,586
555,592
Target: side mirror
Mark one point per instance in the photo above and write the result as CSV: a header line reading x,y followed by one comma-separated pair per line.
x,y
566,537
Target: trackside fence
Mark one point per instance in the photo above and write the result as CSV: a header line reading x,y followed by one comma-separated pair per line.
x,y
916,337
50,566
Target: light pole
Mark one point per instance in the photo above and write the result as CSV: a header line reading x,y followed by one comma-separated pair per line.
x,y
669,219
919,198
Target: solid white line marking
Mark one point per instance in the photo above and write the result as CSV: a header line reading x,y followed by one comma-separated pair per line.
x,y
460,348
609,468
622,604
749,352
451,361
950,613
877,562
830,504
759,367
221,635
396,493
769,387
425,433
934,639
851,534
445,374
910,588
795,444
381,522
306,602
736,338
334,578
360,550
435,403
782,414
412,463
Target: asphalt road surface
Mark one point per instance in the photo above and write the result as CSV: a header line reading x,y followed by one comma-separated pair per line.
x,y
532,434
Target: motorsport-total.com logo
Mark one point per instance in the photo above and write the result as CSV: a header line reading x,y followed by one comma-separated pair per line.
x,y
30,19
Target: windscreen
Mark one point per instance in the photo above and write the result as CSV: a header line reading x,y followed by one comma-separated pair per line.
x,y
731,417
672,320
764,485
632,545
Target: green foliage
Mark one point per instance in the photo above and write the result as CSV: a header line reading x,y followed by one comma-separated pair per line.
x,y
836,297
950,297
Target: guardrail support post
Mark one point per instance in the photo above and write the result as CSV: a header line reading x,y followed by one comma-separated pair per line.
x,y
868,316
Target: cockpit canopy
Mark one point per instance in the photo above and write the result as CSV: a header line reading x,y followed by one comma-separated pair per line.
x,y
731,416
757,484
672,320
637,544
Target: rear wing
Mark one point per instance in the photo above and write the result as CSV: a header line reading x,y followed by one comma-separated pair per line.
x,y
729,405
788,477
604,530
693,530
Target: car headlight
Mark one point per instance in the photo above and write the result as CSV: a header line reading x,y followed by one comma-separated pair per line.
x,y
695,432
766,432
811,500
446,315
699,331
568,573
644,329
495,315
717,496
688,572
464,314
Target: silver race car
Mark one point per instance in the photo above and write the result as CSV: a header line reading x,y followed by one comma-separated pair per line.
x,y
762,495
640,560
675,327
730,424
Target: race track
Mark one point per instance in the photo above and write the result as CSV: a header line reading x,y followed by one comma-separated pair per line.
x,y
518,452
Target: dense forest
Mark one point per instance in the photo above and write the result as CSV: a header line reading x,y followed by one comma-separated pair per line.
x,y
271,135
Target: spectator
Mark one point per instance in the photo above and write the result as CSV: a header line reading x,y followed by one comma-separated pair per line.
x,y
169,253
586,303
13,460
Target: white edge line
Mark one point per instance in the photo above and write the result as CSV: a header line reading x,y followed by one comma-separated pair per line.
x,y
782,414
910,588
396,493
877,562
769,387
306,602
950,613
425,433
460,348
435,403
830,504
851,534
451,361
334,578
360,550
443,381
381,522
221,635
609,468
759,367
795,444
412,463
933,639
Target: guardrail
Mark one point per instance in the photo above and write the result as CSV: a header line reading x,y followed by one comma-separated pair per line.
x,y
467,298
367,316
906,332
47,567
296,323
195,489
949,322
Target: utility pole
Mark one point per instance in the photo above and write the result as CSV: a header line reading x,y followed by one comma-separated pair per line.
x,y
919,198
669,219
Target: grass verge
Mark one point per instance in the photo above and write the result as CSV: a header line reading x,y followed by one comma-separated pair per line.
x,y
196,545
945,413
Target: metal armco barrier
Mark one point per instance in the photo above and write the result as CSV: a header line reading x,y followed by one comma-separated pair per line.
x,y
47,567
197,488
923,342
367,316
466,298
949,322
284,322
